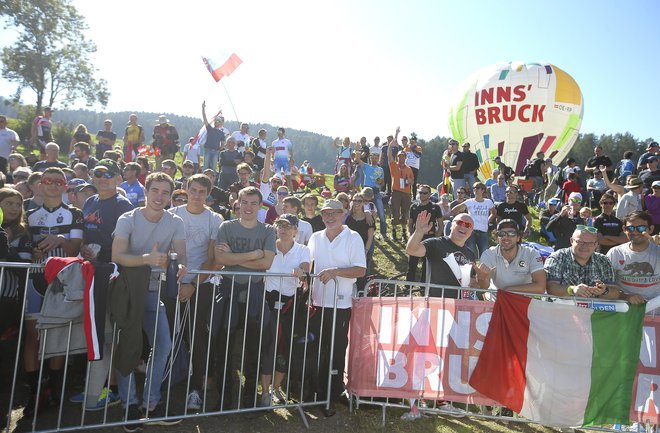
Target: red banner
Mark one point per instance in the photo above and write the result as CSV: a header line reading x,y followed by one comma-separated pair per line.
x,y
419,348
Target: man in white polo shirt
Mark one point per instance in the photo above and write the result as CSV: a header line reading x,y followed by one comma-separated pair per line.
x,y
339,259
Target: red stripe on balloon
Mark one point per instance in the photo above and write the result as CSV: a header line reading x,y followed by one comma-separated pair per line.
x,y
548,142
500,148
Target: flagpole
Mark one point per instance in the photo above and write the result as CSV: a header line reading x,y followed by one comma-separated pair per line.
x,y
230,102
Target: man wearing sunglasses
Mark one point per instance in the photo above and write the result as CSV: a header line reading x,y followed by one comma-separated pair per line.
x,y
563,223
56,231
436,249
580,271
609,226
637,262
510,265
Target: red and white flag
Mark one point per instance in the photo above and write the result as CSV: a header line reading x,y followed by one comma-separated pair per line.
x,y
219,70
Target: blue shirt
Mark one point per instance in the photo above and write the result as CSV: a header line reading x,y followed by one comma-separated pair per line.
x,y
134,192
99,221
371,175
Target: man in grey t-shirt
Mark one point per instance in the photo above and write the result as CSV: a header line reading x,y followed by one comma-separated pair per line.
x,y
510,265
144,236
242,245
201,226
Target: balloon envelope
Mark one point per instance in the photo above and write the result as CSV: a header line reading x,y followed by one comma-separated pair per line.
x,y
514,110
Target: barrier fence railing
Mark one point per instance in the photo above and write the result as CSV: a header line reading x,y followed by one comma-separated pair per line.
x,y
232,348
390,295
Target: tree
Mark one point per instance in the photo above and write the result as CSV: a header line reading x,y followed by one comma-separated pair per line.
x,y
51,55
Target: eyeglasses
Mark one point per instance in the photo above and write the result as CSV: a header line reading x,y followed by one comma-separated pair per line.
x,y
466,224
584,244
106,174
640,229
583,228
505,233
58,182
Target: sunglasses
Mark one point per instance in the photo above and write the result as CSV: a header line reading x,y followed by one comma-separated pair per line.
x,y
58,182
181,200
640,229
466,224
583,228
576,200
100,173
506,233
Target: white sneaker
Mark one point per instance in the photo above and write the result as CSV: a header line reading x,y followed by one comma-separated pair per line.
x,y
194,400
453,411
278,396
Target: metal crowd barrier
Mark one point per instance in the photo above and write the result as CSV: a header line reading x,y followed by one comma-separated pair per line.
x,y
289,339
384,288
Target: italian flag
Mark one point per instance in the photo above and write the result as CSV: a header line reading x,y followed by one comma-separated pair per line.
x,y
560,365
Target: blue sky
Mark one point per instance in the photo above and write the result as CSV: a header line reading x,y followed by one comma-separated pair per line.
x,y
363,67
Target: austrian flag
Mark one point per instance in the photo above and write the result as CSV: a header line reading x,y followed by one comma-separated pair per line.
x,y
560,365
225,69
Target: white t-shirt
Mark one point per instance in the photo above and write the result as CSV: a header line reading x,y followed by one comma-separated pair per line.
x,y
192,152
304,232
245,138
345,251
285,264
200,229
637,272
7,138
269,200
479,211
282,148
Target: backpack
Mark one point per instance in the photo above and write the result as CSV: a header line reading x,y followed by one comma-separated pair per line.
x,y
625,168
559,177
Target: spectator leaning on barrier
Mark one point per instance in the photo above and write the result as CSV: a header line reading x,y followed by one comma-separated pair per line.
x,y
580,271
510,265
339,259
201,226
142,237
242,245
637,263
437,249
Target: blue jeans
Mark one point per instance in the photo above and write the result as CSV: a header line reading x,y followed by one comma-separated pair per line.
x,y
469,179
161,346
478,239
211,159
378,201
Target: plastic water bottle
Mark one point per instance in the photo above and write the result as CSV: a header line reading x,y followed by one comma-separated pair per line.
x,y
171,284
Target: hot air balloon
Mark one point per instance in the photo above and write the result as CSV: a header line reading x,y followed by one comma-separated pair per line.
x,y
514,110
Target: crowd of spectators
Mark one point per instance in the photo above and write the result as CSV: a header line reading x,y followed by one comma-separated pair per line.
x,y
239,203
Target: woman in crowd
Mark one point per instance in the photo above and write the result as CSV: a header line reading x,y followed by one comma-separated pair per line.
x,y
80,134
275,211
358,222
292,258
342,180
145,168
13,234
